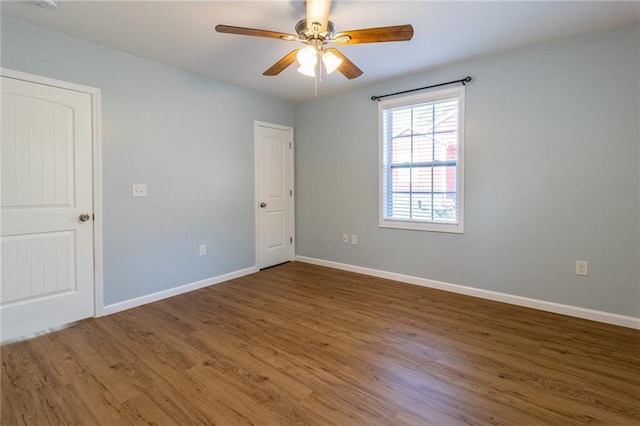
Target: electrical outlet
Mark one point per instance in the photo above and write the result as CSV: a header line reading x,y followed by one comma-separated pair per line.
x,y
345,238
582,267
354,240
203,249
139,190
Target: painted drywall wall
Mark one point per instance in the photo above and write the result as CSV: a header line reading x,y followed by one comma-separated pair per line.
x,y
189,138
551,176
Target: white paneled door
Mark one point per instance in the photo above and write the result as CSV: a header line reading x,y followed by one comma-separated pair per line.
x,y
274,161
47,215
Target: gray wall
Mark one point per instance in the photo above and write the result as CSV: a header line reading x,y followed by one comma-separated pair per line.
x,y
189,138
551,176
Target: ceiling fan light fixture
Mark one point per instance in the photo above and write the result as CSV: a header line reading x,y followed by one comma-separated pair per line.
x,y
331,61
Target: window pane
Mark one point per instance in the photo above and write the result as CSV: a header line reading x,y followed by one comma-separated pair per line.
x,y
446,146
401,150
401,119
422,207
444,208
423,117
446,116
421,179
423,149
444,179
401,208
401,179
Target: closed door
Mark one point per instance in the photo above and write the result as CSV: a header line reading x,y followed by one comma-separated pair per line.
x,y
274,160
46,202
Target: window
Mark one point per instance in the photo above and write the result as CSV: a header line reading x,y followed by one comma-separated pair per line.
x,y
421,161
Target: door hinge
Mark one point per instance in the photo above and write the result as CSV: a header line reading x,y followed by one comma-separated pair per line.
x,y
291,240
291,193
289,145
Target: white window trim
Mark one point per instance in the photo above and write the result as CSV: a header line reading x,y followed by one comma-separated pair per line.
x,y
457,228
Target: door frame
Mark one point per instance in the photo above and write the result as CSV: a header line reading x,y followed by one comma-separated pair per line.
x,y
256,200
96,136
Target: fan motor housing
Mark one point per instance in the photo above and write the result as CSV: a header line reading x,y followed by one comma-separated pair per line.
x,y
306,34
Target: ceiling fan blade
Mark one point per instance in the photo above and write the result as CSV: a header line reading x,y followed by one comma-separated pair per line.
x,y
318,11
282,64
375,35
228,29
347,68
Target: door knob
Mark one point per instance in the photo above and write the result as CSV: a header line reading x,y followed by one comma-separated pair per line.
x,y
263,205
84,217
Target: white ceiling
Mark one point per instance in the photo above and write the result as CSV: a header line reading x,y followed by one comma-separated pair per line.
x,y
181,33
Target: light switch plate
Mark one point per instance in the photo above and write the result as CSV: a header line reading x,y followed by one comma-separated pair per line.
x,y
139,190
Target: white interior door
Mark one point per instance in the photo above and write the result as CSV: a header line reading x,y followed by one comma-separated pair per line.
x,y
274,161
46,202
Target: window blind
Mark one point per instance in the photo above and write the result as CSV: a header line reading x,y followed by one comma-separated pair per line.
x,y
421,161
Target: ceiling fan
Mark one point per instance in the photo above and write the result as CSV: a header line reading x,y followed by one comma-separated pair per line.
x,y
316,32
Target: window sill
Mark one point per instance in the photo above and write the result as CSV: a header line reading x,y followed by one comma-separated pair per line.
x,y
453,228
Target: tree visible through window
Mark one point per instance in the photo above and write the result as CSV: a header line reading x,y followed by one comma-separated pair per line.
x,y
421,168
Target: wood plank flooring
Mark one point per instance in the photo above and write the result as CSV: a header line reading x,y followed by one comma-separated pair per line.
x,y
303,344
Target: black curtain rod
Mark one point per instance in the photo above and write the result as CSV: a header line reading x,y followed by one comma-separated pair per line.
x,y
464,81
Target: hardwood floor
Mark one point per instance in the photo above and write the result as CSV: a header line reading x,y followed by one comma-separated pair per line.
x,y
303,344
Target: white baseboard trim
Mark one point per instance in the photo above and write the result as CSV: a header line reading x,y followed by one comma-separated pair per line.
x,y
154,297
557,308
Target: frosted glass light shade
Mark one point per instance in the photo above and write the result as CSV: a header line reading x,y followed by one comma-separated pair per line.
x,y
331,61
307,56
308,70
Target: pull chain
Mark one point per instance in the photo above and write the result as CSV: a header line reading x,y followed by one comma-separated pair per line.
x,y
315,80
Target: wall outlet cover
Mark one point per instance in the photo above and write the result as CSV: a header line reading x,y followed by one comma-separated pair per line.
x,y
582,267
139,190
